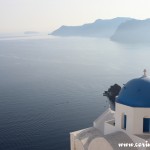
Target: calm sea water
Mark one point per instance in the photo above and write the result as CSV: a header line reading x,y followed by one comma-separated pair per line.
x,y
51,86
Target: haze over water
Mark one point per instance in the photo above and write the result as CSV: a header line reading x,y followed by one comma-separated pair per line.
x,y
50,86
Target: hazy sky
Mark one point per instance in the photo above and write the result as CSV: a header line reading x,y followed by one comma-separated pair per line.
x,y
47,15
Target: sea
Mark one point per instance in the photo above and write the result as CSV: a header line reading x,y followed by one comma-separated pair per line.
x,y
51,86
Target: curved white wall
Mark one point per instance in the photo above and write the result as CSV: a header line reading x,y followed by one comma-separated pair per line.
x,y
135,117
100,144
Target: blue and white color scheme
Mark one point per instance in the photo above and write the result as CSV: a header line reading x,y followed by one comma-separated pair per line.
x,y
129,123
136,93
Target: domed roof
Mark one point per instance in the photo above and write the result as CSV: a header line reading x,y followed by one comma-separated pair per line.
x,y
136,93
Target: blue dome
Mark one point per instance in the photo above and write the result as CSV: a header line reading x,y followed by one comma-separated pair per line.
x,y
136,93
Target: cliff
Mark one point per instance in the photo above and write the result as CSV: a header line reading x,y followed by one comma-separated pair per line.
x,y
99,28
133,31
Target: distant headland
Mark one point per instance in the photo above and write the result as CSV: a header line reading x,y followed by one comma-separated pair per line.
x,y
120,29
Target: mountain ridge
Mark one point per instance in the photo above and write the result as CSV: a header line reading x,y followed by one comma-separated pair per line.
x,y
132,31
99,28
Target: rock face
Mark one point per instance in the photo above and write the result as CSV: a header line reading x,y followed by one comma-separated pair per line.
x,y
112,92
133,31
100,28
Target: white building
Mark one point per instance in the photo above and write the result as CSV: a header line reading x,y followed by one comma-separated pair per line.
x,y
128,125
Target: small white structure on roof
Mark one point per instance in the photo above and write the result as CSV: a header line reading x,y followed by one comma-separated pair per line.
x,y
128,127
